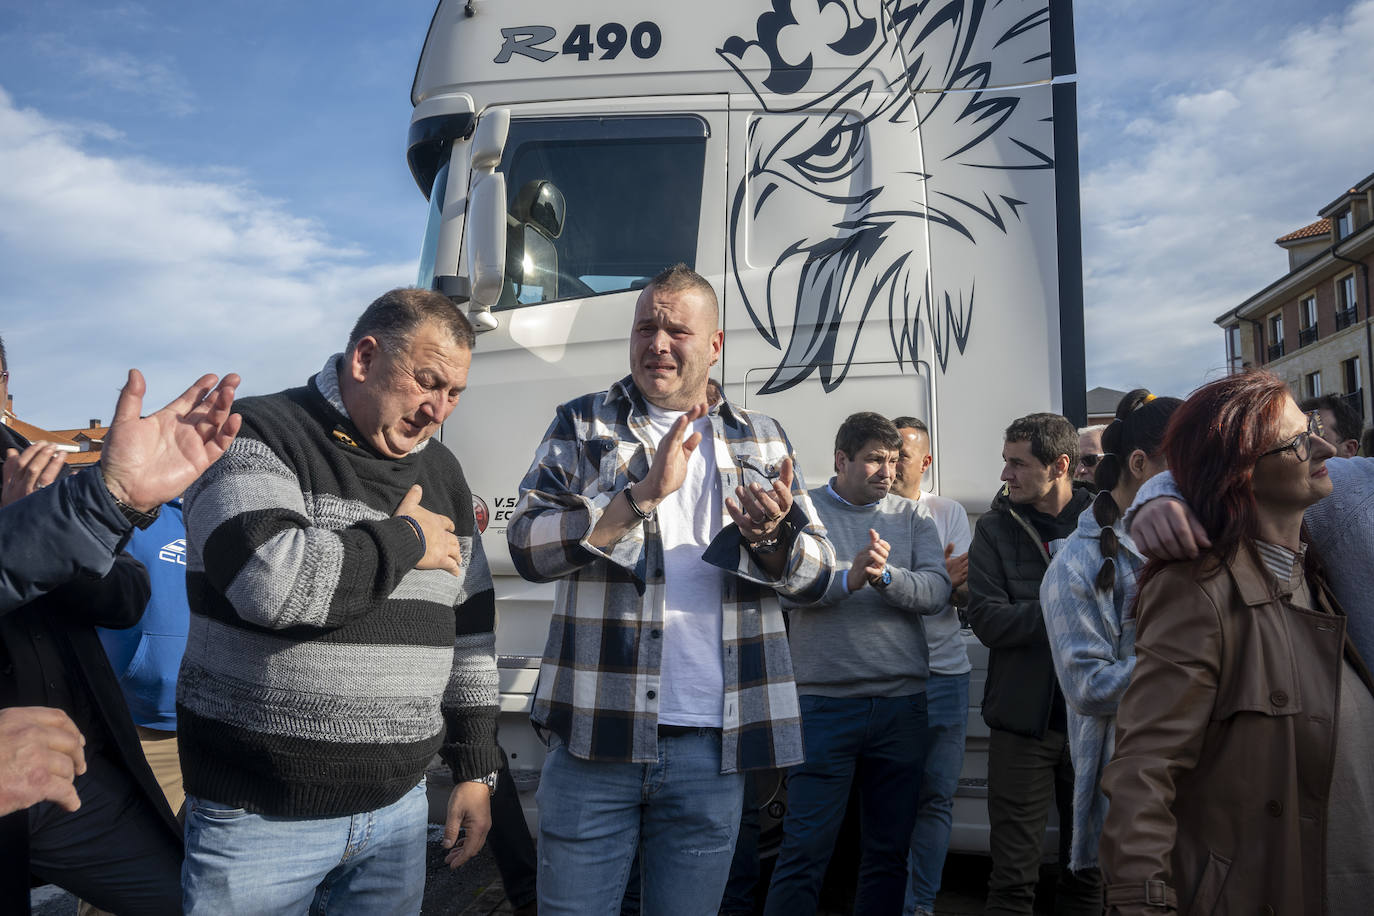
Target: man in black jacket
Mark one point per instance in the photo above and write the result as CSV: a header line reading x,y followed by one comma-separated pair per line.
x,y
60,574
1028,754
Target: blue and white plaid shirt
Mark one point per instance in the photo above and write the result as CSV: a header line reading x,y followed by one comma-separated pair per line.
x,y
599,682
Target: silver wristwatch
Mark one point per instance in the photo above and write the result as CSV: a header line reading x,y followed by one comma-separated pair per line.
x,y
488,780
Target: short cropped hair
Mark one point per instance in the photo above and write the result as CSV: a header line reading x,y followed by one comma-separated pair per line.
x,y
911,423
681,278
1049,435
858,429
1346,421
394,316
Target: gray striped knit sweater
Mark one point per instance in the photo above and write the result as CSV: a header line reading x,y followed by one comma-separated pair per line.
x,y
323,671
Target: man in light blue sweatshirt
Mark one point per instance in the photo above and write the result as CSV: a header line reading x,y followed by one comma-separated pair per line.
x,y
861,661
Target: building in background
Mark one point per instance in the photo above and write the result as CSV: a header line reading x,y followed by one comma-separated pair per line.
x,y
1311,326
1102,404
81,445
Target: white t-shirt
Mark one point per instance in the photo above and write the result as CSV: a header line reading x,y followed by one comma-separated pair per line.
x,y
947,652
691,678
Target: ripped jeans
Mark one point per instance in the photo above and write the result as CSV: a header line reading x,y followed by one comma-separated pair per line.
x,y
680,812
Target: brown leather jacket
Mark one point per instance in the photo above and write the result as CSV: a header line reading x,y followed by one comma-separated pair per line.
x,y
1224,746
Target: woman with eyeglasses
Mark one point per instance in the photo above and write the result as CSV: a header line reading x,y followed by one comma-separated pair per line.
x,y
1242,779
1088,598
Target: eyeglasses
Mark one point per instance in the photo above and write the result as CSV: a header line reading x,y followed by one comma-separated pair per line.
x,y
1090,461
1301,444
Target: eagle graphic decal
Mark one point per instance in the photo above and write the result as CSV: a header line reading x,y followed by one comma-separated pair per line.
x,y
957,87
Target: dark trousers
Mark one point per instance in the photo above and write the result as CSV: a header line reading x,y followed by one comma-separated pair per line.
x,y
744,867
1026,775
878,742
510,842
114,851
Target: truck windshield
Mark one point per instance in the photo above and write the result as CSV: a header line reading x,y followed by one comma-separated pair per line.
x,y
425,279
630,195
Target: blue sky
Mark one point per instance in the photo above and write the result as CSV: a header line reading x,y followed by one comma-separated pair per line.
x,y
191,185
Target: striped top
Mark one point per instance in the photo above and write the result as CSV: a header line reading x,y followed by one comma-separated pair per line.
x,y
599,682
322,668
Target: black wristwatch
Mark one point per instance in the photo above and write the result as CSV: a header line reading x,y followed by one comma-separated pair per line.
x,y
140,520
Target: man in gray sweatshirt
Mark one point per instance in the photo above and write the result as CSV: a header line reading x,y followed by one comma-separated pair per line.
x,y
860,660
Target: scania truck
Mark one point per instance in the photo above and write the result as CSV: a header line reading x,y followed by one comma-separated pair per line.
x,y
884,194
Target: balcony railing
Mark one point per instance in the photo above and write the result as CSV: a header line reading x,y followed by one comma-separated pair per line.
x,y
1307,336
1345,318
1275,351
1355,401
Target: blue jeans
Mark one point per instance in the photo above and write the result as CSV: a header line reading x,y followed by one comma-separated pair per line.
x,y
238,862
680,812
877,740
947,721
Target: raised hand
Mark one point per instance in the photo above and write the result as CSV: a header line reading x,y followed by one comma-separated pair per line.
x,y
37,467
957,567
759,512
869,562
149,460
442,550
669,469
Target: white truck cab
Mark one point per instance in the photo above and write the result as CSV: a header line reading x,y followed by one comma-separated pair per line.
x,y
884,194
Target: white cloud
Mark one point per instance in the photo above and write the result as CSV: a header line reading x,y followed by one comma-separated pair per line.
x,y
126,73
103,70
1180,214
112,261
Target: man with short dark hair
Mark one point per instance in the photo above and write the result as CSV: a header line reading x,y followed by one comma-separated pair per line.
x,y
1028,753
948,683
1340,423
861,665
341,632
666,673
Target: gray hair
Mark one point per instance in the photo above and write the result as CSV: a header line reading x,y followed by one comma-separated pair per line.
x,y
393,317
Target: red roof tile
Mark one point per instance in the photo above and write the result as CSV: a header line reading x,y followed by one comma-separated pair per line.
x,y
36,433
1310,231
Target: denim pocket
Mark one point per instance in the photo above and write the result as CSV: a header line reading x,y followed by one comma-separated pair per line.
x,y
215,811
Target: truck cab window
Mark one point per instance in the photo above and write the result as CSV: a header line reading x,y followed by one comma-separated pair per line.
x,y
599,205
431,243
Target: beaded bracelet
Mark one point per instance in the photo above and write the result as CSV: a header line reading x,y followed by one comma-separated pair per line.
x,y
419,532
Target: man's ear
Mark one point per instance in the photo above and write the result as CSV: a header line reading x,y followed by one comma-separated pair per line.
x,y
926,462
1061,466
840,459
363,360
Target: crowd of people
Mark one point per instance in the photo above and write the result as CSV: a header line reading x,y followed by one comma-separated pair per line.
x,y
1163,599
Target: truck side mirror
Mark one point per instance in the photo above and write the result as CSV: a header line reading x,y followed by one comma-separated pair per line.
x,y
486,219
541,204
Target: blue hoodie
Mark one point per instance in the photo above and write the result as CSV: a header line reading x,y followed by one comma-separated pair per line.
x,y
146,657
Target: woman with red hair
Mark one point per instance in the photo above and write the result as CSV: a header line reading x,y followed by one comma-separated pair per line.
x,y
1241,780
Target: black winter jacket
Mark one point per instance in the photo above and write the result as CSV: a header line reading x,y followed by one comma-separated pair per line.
x,y
114,600
1006,563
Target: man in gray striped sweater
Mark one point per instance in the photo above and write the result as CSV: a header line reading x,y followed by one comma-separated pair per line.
x,y
341,633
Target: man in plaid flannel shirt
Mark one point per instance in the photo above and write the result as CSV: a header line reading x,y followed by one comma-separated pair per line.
x,y
667,672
